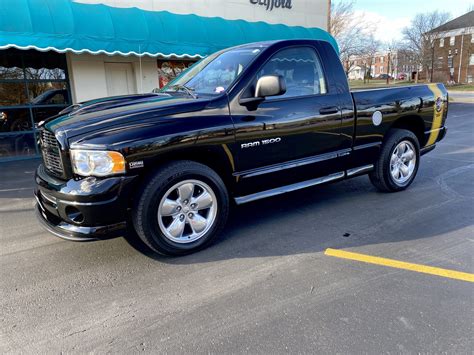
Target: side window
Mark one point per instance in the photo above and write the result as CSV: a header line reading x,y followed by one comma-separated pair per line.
x,y
301,69
57,99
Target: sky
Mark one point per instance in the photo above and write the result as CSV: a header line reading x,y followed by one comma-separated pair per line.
x,y
390,17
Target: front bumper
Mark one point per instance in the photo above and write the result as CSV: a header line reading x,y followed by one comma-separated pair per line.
x,y
74,233
85,209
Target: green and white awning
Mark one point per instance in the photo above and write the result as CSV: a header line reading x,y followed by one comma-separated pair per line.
x,y
64,25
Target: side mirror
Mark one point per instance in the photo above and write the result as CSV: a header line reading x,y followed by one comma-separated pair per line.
x,y
268,85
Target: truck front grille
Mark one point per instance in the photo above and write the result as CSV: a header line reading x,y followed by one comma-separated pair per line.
x,y
51,154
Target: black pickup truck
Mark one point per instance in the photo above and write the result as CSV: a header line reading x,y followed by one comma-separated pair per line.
x,y
243,124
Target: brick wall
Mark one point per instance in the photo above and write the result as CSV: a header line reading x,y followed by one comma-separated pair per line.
x,y
448,58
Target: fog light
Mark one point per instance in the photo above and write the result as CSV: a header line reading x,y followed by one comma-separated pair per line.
x,y
74,214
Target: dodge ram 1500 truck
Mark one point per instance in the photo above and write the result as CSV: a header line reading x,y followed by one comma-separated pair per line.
x,y
242,124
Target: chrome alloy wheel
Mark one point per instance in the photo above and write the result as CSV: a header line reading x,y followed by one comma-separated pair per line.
x,y
187,211
403,162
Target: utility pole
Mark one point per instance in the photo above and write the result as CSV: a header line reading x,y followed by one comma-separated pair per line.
x,y
388,66
460,58
432,60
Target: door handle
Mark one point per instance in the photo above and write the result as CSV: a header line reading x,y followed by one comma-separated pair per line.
x,y
329,110
248,118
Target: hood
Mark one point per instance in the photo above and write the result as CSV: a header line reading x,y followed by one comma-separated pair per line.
x,y
95,115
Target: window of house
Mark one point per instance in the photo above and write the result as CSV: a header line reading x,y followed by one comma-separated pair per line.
x,y
472,38
33,86
381,69
471,59
441,42
301,69
450,62
452,40
381,59
440,62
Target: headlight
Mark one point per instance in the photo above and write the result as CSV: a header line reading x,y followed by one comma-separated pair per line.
x,y
97,163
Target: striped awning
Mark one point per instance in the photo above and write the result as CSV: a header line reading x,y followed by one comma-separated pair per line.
x,y
64,25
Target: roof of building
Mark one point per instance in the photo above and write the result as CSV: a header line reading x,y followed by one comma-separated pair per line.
x,y
68,26
464,21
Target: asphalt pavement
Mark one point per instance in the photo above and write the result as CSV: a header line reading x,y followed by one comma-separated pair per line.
x,y
462,96
267,286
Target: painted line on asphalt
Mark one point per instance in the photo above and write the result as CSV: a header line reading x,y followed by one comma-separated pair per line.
x,y
17,189
452,274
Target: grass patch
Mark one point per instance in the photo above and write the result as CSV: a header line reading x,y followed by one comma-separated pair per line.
x,y
372,84
465,87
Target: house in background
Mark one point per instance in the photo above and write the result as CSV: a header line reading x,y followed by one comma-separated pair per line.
x,y
453,51
373,66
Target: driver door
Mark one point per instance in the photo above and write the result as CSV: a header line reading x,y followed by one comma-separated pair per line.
x,y
290,137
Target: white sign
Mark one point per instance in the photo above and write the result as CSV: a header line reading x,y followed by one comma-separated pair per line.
x,y
306,13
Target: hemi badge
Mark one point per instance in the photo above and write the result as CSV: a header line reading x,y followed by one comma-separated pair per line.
x,y
136,164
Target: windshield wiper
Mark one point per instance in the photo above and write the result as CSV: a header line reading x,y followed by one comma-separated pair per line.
x,y
188,90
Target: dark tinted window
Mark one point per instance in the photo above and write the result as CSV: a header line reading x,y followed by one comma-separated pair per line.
x,y
301,69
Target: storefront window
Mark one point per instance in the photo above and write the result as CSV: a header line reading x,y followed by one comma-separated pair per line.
x,y
170,69
33,87
13,93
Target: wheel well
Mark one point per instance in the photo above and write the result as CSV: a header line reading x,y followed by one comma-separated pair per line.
x,y
414,124
215,158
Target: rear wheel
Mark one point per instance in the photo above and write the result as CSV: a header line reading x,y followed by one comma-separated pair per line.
x,y
398,162
182,209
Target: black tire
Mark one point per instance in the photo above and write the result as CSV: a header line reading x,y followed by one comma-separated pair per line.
x,y
381,177
145,211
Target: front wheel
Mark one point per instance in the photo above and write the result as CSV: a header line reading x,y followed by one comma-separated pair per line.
x,y
182,209
397,165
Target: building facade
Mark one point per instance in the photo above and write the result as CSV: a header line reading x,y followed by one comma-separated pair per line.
x,y
452,59
54,53
376,65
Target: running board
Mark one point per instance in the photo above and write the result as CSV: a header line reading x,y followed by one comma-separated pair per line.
x,y
360,170
301,185
289,188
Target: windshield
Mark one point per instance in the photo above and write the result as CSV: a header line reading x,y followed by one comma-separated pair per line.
x,y
215,73
40,98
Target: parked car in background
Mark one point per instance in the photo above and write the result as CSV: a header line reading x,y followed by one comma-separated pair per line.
x,y
402,76
384,76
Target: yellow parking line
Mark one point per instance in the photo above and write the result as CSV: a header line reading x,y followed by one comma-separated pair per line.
x,y
458,275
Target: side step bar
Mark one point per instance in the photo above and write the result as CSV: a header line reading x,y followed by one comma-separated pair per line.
x,y
360,170
301,185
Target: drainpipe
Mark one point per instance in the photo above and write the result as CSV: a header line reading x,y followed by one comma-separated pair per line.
x,y
329,16
460,59
432,60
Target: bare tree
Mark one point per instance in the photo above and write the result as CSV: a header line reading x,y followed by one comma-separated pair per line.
x,y
393,49
371,47
351,32
419,38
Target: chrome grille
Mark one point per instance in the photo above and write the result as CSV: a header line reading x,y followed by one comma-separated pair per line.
x,y
51,153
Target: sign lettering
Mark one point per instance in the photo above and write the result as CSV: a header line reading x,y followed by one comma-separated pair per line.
x,y
271,4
